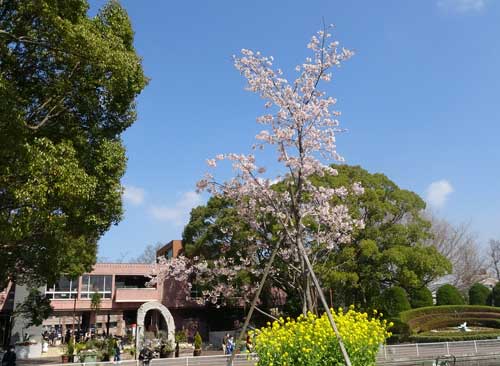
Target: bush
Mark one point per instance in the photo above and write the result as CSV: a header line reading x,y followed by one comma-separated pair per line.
x,y
310,340
424,319
452,309
479,295
449,295
400,332
421,298
393,301
453,337
495,295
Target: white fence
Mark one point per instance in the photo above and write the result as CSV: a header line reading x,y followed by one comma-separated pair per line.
x,y
217,360
433,350
389,354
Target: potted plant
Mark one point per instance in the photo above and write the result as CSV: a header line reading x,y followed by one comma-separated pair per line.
x,y
197,344
167,350
65,355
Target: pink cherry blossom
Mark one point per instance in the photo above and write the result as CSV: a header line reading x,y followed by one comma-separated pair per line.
x,y
300,130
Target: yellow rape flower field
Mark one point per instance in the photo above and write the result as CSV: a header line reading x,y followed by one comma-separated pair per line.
x,y
310,340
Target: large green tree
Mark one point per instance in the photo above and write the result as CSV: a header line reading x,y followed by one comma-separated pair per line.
x,y
387,252
68,85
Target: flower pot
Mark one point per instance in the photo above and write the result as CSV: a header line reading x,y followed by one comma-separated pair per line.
x,y
197,352
64,359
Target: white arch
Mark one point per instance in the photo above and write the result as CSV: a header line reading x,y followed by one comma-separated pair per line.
x,y
141,315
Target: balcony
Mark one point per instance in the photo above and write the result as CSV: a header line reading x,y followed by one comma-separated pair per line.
x,y
136,294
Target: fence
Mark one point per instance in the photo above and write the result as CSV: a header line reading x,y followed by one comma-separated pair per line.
x,y
217,360
485,360
403,352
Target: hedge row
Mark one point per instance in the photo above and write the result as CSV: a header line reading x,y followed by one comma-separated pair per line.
x,y
406,316
477,319
469,336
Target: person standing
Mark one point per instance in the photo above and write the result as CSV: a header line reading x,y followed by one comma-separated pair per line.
x,y
9,357
117,350
224,342
145,356
230,345
249,343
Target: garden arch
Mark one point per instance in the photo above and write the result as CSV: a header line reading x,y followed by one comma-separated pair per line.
x,y
141,315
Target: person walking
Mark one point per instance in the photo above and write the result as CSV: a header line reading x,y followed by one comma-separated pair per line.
x,y
9,357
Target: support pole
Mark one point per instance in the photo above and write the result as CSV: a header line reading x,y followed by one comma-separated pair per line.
x,y
302,251
267,269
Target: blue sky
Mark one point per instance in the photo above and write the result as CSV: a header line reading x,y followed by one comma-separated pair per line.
x,y
420,100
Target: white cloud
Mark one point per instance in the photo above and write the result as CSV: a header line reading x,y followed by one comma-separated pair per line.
x,y
438,192
177,214
133,195
462,6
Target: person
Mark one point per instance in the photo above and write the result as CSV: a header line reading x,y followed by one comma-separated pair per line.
x,y
177,349
9,357
230,345
145,356
224,342
117,350
249,343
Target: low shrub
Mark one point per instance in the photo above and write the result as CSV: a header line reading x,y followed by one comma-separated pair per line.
x,y
453,337
421,298
495,295
406,316
479,295
400,331
393,300
449,295
310,340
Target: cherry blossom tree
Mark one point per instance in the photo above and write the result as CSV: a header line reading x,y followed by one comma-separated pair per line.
x,y
292,218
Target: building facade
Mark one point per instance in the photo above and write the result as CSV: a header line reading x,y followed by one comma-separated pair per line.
x,y
122,289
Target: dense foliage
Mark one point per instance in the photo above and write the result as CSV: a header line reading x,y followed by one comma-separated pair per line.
x,y
495,295
310,340
421,297
449,295
35,308
479,295
387,252
68,85
393,301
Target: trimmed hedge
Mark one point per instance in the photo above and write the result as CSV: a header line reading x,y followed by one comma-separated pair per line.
x,y
454,322
449,295
406,316
421,298
393,301
479,295
428,337
495,295
428,318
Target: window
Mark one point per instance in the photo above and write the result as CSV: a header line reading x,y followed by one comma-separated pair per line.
x,y
96,283
129,281
62,289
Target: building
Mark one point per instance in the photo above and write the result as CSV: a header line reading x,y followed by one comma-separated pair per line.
x,y
123,288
